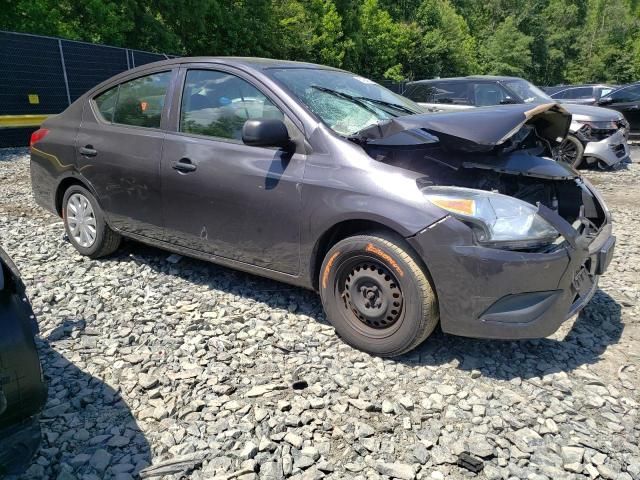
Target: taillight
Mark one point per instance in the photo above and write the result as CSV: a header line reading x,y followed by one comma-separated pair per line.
x,y
37,136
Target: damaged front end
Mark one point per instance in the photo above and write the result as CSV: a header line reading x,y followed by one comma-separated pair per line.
x,y
524,238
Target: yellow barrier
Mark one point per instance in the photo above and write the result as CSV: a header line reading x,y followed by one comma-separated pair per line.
x,y
17,121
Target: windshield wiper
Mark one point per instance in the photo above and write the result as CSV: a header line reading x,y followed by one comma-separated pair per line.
x,y
397,106
346,96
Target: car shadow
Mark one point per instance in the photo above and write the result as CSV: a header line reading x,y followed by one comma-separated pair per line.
x,y
598,325
88,430
227,280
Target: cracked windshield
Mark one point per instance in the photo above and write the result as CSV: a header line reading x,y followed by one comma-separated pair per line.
x,y
347,103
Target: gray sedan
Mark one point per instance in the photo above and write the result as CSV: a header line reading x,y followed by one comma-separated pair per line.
x,y
324,179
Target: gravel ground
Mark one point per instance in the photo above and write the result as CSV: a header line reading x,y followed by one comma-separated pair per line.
x,y
185,369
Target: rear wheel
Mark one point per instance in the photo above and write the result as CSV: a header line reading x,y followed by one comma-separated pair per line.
x,y
85,224
570,151
376,294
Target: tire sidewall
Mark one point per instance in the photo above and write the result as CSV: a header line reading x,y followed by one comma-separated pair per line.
x,y
97,211
414,312
579,150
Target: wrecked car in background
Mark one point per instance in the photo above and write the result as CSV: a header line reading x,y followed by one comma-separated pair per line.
x,y
581,94
324,179
22,388
596,136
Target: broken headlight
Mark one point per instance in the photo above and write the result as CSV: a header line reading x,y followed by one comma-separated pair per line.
x,y
496,219
592,131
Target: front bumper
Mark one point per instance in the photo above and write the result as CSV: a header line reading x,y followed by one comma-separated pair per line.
x,y
610,151
491,293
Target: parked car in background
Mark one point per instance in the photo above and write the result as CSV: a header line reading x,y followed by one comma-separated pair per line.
x,y
626,100
580,94
597,135
22,388
324,179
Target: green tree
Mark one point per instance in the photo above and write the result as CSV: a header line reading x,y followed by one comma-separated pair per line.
x,y
379,43
507,51
442,44
310,31
608,44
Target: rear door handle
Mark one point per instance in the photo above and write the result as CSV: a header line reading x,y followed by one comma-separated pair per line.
x,y
88,151
184,165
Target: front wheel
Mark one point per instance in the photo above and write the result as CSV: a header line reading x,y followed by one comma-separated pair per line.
x,y
570,151
376,294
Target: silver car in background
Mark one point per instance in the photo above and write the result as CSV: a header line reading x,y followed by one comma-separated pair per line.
x,y
596,136
580,94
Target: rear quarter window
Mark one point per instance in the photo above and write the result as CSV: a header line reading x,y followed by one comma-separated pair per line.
x,y
106,103
138,102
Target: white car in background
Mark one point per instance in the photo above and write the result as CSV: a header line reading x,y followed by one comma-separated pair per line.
x,y
597,135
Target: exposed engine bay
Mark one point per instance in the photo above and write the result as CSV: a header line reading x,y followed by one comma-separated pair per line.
x,y
515,162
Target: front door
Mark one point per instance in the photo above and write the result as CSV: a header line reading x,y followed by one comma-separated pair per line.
x,y
627,101
119,151
221,196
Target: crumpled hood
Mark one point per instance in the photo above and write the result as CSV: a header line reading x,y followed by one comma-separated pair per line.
x,y
479,129
591,113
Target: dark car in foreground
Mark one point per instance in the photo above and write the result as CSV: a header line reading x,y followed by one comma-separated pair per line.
x,y
596,135
626,100
22,388
588,94
324,179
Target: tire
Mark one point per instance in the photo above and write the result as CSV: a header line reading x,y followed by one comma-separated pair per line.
x,y
104,241
390,319
570,151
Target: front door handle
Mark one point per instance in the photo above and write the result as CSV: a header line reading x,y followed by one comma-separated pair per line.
x,y
183,165
88,151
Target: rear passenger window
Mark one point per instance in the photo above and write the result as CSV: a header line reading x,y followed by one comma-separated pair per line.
x,y
455,93
576,93
106,103
440,92
140,101
420,93
218,104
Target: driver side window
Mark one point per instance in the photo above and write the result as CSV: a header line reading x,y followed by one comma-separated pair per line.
x,y
629,94
217,104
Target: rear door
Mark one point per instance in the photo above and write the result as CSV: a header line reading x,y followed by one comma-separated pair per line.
x,y
221,196
119,148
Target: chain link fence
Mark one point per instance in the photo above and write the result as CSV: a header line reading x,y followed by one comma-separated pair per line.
x,y
41,76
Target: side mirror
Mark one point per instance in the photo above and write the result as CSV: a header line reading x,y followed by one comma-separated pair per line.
x,y
265,132
605,101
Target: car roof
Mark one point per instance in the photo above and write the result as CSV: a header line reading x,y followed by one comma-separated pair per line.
x,y
255,63
244,63
464,79
579,85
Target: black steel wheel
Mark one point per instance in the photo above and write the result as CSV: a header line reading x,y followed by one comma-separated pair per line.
x,y
570,151
371,294
377,295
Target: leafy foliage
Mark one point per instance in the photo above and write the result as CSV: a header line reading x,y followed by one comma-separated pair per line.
x,y
546,41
